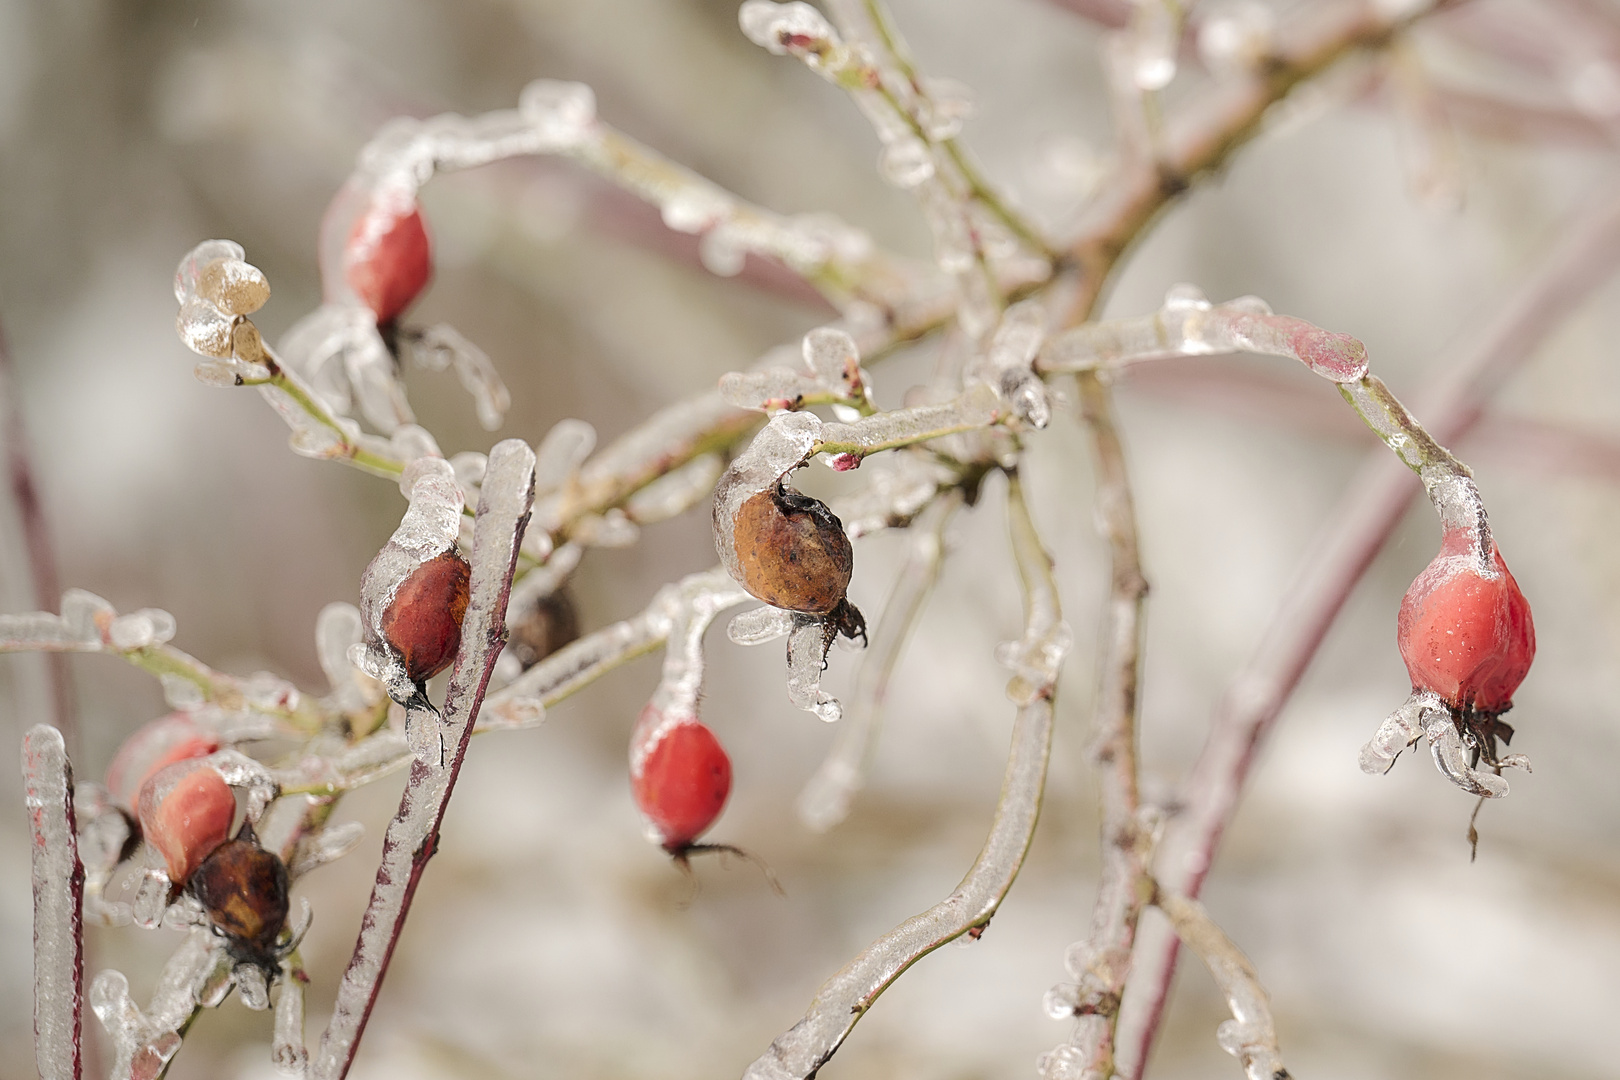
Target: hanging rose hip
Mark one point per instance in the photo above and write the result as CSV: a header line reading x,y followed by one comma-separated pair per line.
x,y
185,811
793,553
387,260
422,624
680,777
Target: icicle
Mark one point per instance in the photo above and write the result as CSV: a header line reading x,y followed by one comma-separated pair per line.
x,y
807,659
1012,357
316,849
287,1050
58,885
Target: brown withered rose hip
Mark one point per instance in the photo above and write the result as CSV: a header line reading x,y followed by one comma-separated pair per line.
x,y
793,551
546,626
243,888
423,622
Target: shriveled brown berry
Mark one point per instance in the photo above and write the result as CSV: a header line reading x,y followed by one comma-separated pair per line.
x,y
243,888
423,622
793,551
549,623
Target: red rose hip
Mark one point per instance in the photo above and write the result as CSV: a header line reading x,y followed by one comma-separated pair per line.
x,y
186,811
387,260
423,621
680,777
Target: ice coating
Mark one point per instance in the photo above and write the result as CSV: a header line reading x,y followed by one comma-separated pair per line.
x,y
561,453
826,798
197,974
977,407
321,846
841,1001
157,743
1235,36
760,625
898,487
338,629
784,28
287,1050
504,504
429,529
831,373
1154,36
216,290
104,830
675,492
806,660
694,598
442,345
1188,325
781,446
1250,1036
58,886
1012,353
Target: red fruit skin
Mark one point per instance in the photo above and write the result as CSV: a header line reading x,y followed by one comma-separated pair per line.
x,y
1466,637
683,778
152,746
387,260
423,623
186,811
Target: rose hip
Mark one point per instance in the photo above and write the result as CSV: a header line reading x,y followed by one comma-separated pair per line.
x,y
680,777
423,621
243,888
388,260
793,551
153,745
186,811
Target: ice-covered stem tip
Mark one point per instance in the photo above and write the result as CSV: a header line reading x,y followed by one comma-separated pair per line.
x,y
1189,325
58,880
1250,1036
826,798
831,375
213,322
504,503
843,999
1101,963
198,975
90,624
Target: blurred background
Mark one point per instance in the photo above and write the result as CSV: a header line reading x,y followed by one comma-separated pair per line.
x,y
549,939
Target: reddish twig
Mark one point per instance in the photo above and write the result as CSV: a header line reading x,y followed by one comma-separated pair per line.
x,y
37,536
58,878
413,835
1368,514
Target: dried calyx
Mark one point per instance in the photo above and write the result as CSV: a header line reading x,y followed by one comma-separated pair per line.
x,y
243,889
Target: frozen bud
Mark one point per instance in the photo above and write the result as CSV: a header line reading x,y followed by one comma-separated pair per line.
x,y
204,329
422,624
680,777
185,811
723,251
562,111
153,746
793,551
832,356
243,888
387,260
234,286
783,28
188,276
545,626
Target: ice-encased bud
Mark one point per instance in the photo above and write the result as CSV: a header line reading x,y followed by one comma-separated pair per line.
x,y
204,329
563,112
906,162
1013,349
780,28
834,359
561,453
188,277
234,286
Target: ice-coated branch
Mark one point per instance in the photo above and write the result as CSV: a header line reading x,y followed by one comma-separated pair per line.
x,y
58,905
1188,325
690,603
1585,256
89,624
505,500
976,408
197,975
1102,962
843,999
1250,1036
826,797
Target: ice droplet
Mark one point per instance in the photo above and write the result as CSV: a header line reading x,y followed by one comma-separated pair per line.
x,y
141,629
562,112
906,162
779,27
1235,35
151,898
1184,297
722,251
807,659
694,208
234,286
948,104
1063,1063
833,358
1061,1001
760,625
1154,31
189,274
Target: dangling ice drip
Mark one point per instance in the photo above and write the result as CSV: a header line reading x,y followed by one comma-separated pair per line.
x,y
1467,637
1011,362
412,599
788,550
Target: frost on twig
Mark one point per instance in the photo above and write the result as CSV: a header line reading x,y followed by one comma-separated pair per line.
x,y
800,1051
1189,325
1250,1036
90,624
58,880
504,503
826,798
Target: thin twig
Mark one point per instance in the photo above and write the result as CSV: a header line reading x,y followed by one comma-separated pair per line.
x,y
503,510
1583,259
37,536
843,999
